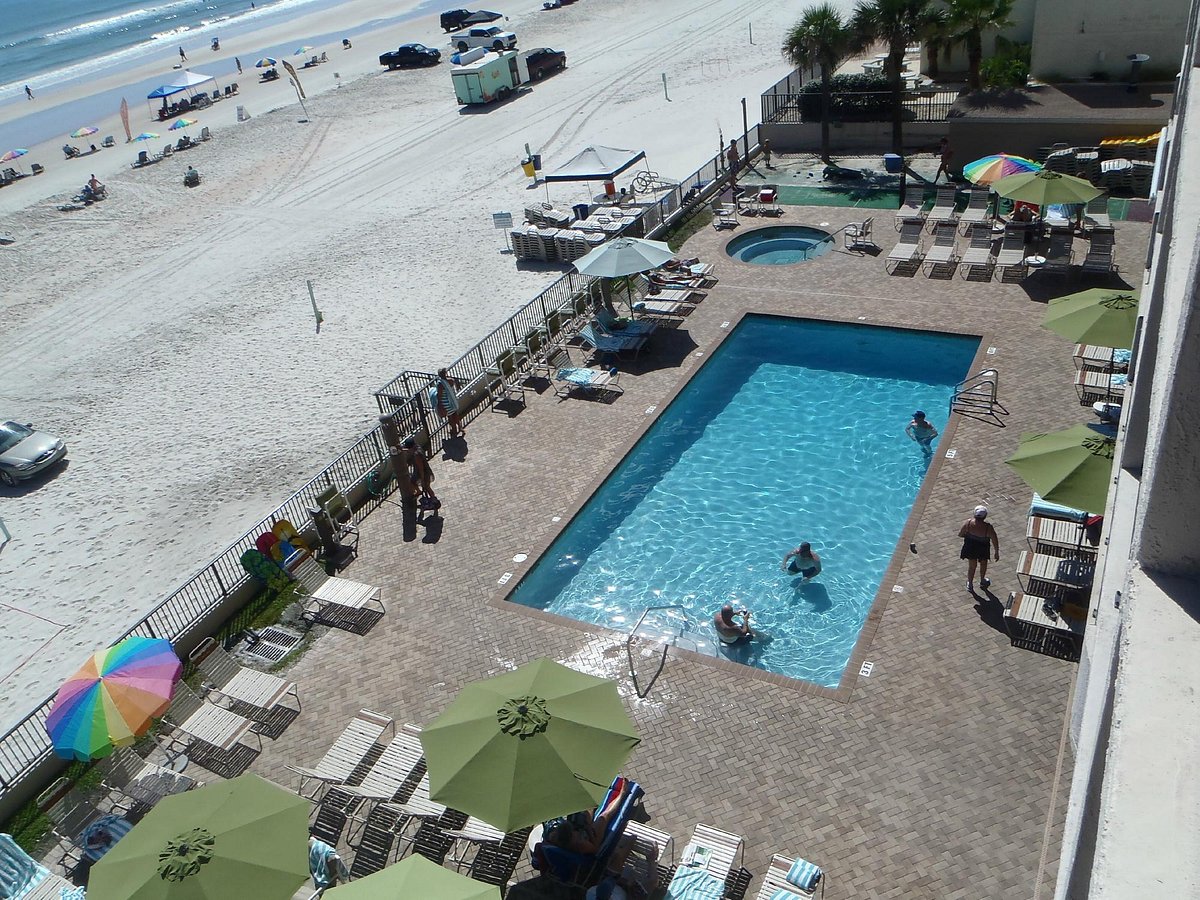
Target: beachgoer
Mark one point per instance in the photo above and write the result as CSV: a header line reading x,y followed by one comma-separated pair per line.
x,y
978,537
28,92
766,152
324,864
729,631
446,397
733,158
921,431
1022,213
946,153
802,561
414,475
182,55
237,62
216,44
346,45
583,832
94,184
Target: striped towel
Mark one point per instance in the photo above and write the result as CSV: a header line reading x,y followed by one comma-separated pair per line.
x,y
72,893
103,834
19,872
1122,357
695,884
582,376
803,875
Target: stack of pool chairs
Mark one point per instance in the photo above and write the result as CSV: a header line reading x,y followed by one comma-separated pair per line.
x,y
580,868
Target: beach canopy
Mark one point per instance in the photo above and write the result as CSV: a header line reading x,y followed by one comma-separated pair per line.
x,y
191,79
596,163
164,90
624,256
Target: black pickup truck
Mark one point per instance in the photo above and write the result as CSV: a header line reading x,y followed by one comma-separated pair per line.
x,y
454,19
408,55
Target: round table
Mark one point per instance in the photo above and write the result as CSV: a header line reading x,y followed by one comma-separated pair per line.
x,y
1035,261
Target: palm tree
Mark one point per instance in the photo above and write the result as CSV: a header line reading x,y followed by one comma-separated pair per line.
x,y
937,37
896,23
968,20
820,39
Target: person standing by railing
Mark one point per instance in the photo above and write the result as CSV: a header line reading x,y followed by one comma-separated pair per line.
x,y
445,391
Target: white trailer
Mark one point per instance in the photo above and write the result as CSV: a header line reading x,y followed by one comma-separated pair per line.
x,y
492,76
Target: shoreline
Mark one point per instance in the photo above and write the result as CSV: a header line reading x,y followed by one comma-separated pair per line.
x,y
166,333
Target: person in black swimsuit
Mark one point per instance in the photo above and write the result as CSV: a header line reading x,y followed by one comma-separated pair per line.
x,y
802,561
978,538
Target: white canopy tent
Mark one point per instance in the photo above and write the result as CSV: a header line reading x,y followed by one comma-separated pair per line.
x,y
180,82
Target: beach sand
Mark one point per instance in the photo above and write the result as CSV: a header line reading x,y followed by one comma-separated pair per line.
x,y
166,334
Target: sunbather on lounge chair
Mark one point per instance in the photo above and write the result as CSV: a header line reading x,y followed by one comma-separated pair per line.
x,y
582,832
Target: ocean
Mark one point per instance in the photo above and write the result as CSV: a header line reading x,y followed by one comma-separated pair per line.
x,y
48,42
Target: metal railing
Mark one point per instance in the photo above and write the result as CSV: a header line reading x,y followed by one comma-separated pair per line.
x,y
977,397
920,105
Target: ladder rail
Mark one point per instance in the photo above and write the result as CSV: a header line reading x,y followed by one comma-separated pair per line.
x,y
979,394
665,647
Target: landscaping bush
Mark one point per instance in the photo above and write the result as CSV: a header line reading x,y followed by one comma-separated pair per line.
x,y
860,98
1009,67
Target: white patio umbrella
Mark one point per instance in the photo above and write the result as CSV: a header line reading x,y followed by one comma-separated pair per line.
x,y
624,256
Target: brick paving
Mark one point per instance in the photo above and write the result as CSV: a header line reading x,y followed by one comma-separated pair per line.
x,y
942,775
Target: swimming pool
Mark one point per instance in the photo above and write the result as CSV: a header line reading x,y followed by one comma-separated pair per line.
x,y
793,430
780,245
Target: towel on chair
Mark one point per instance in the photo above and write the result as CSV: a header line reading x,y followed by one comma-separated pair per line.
x,y
580,376
324,864
803,875
695,884
1122,357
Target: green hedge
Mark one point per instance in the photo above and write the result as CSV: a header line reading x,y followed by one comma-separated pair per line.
x,y
864,98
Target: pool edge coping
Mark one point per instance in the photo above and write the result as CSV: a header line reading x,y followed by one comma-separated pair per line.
x,y
499,598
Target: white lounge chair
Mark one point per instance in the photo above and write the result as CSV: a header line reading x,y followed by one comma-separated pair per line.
x,y
1095,214
398,761
907,251
1106,386
943,252
1054,570
912,206
724,216
144,783
467,841
798,877
979,251
1012,249
857,235
345,755
225,681
943,206
70,813
706,861
978,210
1042,531
589,381
219,730
23,878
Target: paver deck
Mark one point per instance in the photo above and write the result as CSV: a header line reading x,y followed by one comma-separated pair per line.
x,y
944,774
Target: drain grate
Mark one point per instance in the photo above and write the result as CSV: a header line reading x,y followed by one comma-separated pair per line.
x,y
273,644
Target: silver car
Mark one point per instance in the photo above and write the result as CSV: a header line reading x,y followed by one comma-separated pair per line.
x,y
24,452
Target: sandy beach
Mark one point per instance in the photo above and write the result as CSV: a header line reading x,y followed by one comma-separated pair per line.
x,y
166,334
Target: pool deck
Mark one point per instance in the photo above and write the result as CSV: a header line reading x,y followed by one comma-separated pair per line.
x,y
944,774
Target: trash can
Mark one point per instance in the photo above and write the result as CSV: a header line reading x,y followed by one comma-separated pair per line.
x,y
610,189
537,162
581,211
893,163
528,169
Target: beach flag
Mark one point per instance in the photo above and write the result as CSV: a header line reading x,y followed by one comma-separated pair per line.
x,y
296,78
125,119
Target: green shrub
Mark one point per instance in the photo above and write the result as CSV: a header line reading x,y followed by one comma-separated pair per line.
x,y
1009,67
862,98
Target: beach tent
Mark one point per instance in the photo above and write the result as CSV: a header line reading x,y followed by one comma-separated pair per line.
x,y
596,163
184,81
164,90
188,79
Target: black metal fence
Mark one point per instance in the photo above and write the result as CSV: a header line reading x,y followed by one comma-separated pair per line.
x,y
920,105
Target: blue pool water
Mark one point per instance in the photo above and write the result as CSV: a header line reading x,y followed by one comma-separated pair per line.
x,y
793,430
780,245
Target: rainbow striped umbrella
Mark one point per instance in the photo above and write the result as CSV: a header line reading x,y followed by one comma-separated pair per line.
x,y
266,62
114,698
182,123
84,131
300,51
999,165
147,136
13,154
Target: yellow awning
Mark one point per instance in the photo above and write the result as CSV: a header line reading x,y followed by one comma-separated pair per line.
x,y
1145,139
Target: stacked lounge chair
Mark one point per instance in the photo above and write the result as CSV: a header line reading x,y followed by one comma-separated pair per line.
x,y
546,214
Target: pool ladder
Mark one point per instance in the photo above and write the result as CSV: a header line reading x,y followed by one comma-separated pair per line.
x,y
976,398
665,647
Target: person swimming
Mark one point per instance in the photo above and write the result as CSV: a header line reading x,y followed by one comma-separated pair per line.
x,y
729,631
922,431
802,561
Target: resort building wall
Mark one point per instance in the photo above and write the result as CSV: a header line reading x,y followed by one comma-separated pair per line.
x,y
1076,38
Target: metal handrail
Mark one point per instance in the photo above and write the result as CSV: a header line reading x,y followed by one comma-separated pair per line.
x,y
987,377
662,660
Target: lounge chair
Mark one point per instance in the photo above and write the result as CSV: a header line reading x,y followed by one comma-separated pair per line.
x,y
706,862
109,141
1012,249
599,341
943,206
399,759
507,375
339,514
143,159
652,858
342,603
144,783
1108,359
724,216
978,210
912,207
205,134
907,252
580,868
651,308
1099,259
1061,534
943,252
588,381
979,251
70,813
798,877
1095,214
227,682
1059,254
857,235
612,325
346,753
1105,386
373,850
37,168
216,729
24,878
684,293
169,150
1056,571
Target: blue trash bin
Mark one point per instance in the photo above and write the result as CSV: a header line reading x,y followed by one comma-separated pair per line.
x,y
893,163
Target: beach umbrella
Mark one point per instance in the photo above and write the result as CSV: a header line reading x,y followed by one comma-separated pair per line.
x,y
989,169
1044,188
1098,316
415,876
300,51
114,698
13,154
147,136
1072,467
266,62
624,256
244,837
183,123
84,131
528,745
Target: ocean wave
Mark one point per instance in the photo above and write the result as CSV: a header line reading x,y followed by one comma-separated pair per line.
x,y
108,22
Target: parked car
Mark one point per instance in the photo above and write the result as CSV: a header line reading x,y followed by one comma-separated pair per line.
x,y
25,452
491,37
460,18
543,61
408,55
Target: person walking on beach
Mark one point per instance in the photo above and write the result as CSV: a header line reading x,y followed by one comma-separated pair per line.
x,y
446,401
182,55
978,537
28,92
237,62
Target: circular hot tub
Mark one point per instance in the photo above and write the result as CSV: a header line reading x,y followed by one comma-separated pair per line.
x,y
780,245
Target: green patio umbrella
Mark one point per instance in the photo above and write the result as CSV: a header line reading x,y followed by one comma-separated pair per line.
x,y
415,877
523,747
244,837
1102,317
1044,188
1072,467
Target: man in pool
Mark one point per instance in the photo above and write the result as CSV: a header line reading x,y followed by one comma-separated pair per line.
x,y
802,561
729,631
922,431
